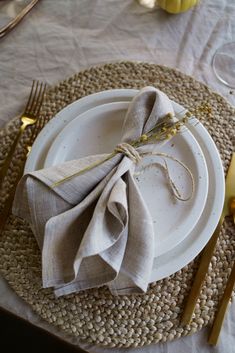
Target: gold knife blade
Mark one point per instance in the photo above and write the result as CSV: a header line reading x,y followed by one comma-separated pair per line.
x,y
210,247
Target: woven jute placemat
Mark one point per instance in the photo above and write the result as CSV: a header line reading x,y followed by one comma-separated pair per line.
x,y
95,316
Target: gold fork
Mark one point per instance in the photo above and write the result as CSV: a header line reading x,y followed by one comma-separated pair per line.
x,y
28,118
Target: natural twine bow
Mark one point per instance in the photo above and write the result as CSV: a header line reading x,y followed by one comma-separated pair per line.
x,y
129,151
160,132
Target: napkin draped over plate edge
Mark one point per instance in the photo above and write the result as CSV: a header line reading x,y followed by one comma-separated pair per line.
x,y
120,257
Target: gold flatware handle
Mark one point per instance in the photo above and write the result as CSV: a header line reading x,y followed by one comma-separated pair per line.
x,y
201,274
7,28
232,208
7,162
5,212
220,315
210,247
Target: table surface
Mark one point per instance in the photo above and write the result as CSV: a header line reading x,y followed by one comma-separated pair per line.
x,y
58,39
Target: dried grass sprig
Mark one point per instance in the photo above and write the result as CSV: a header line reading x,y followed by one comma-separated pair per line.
x,y
169,126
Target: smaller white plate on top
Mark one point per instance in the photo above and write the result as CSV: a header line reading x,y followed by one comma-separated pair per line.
x,y
98,131
45,138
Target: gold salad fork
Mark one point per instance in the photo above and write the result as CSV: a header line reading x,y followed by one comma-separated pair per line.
x,y
28,118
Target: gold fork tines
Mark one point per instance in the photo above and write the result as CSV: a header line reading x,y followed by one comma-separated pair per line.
x,y
28,118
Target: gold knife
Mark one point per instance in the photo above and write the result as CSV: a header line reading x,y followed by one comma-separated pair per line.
x,y
210,247
220,315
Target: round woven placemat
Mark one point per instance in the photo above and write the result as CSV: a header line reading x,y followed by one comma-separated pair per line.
x,y
95,316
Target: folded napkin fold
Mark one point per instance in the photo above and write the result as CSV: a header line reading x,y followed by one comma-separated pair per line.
x,y
95,229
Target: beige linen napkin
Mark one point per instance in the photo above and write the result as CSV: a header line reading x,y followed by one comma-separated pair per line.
x,y
95,229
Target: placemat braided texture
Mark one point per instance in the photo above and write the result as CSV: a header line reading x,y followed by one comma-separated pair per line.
x,y
96,316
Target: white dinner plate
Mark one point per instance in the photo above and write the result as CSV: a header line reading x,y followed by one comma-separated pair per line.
x,y
189,248
99,130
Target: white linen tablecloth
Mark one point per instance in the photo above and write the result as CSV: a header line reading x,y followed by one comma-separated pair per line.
x,y
61,37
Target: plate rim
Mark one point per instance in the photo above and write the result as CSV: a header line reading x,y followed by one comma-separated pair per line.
x,y
161,270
